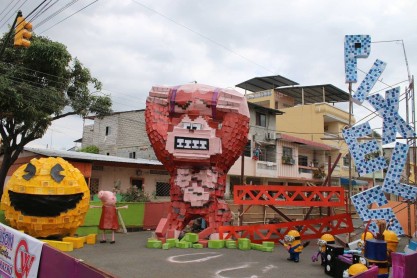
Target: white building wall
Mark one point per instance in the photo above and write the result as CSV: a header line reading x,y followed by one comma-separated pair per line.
x,y
286,170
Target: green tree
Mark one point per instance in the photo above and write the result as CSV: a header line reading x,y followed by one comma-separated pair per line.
x,y
90,149
39,85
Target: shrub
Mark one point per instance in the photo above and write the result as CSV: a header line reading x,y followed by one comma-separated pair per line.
x,y
133,194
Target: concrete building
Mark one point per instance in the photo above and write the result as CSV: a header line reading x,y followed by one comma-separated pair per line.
x,y
120,134
310,114
103,172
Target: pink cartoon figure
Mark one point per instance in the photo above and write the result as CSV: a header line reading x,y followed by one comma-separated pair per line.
x,y
197,132
109,216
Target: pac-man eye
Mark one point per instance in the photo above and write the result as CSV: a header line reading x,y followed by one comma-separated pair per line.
x,y
30,170
55,173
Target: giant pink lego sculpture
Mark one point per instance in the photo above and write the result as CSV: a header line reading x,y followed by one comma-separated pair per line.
x,y
197,132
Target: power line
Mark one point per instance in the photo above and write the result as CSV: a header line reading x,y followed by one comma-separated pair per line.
x,y
6,9
11,11
83,8
56,13
41,11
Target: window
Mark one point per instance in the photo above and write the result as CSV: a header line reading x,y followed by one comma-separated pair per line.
x,y
302,160
108,130
270,153
137,183
247,150
162,189
287,156
94,185
346,160
132,155
287,152
260,119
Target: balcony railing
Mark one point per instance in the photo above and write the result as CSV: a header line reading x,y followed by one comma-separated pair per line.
x,y
265,165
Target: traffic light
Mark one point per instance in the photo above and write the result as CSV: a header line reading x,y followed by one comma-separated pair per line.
x,y
22,33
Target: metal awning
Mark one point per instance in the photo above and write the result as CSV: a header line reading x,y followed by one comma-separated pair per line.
x,y
308,144
258,84
315,94
264,109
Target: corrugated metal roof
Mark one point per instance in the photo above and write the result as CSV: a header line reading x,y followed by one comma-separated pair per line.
x,y
90,156
265,109
315,93
265,83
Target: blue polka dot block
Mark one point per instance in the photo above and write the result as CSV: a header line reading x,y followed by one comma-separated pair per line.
x,y
392,122
359,151
392,179
356,46
369,81
362,200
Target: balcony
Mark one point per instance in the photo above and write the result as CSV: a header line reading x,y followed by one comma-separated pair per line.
x,y
266,169
335,144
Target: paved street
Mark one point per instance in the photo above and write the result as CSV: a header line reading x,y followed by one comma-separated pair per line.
x,y
129,258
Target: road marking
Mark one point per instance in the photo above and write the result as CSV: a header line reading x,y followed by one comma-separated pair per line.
x,y
177,259
218,273
268,268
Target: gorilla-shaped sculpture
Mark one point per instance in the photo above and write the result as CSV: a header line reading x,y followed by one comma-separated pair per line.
x,y
197,132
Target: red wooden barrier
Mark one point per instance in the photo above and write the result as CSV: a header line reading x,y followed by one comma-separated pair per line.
x,y
320,196
309,229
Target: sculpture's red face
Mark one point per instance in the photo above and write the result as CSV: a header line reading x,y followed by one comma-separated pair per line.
x,y
197,125
193,139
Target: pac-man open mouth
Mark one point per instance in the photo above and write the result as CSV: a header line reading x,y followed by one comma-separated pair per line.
x,y
43,205
187,143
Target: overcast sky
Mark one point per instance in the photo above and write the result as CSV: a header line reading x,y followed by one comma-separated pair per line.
x,y
131,45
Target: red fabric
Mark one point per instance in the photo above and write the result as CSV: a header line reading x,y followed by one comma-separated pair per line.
x,y
108,219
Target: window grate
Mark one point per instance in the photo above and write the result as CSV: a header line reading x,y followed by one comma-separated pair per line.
x,y
163,189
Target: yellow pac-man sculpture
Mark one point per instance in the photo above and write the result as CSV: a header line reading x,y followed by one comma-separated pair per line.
x,y
47,197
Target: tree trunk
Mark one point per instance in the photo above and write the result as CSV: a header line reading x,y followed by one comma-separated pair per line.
x,y
5,165
8,159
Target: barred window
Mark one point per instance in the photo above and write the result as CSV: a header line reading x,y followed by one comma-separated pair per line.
x,y
247,150
303,160
162,189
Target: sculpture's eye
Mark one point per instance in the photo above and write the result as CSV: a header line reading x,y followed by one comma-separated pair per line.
x,y
196,126
55,173
30,170
186,125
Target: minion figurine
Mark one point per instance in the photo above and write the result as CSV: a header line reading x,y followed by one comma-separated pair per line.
x,y
325,239
391,239
354,269
364,237
292,242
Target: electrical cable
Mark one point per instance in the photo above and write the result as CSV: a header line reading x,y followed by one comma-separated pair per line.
x,y
11,15
6,9
56,13
69,16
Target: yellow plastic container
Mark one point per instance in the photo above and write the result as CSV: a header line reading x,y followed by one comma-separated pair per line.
x,y
91,238
60,245
78,242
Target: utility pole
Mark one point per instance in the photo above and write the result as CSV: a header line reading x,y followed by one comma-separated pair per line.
x,y
6,41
